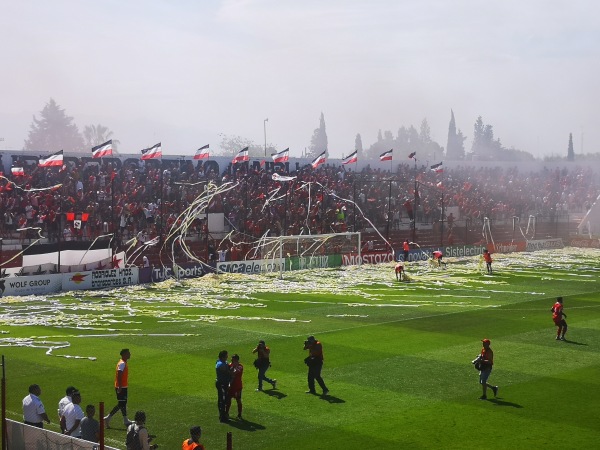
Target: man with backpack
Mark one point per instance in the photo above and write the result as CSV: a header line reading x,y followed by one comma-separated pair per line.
x,y
137,434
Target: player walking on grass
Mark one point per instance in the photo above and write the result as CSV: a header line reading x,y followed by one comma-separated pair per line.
x,y
487,363
235,387
487,257
557,316
121,385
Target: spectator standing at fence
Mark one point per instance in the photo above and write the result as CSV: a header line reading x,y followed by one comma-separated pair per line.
x,y
72,416
121,387
262,363
193,443
90,427
34,413
63,403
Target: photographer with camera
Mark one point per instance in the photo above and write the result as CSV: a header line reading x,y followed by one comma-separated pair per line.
x,y
314,361
262,363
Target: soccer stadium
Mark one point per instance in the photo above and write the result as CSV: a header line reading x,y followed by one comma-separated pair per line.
x,y
179,259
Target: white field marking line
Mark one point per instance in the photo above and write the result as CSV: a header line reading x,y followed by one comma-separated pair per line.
x,y
386,323
421,317
116,335
544,311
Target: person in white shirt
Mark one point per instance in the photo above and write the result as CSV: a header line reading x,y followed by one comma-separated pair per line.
x,y
33,409
64,402
72,416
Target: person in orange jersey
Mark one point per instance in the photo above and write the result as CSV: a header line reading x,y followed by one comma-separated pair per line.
x,y
487,363
121,386
405,249
193,443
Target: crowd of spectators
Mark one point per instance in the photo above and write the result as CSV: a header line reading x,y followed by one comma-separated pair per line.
x,y
144,199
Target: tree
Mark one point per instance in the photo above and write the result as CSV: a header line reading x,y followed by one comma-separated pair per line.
x,y
318,142
231,145
570,151
358,145
455,148
94,135
54,131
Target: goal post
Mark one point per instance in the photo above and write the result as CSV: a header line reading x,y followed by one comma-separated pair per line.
x,y
311,251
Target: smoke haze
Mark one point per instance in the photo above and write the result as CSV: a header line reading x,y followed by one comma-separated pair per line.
x,y
184,72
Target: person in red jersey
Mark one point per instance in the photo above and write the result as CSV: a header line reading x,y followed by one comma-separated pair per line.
x,y
399,271
559,316
487,363
236,385
437,256
487,257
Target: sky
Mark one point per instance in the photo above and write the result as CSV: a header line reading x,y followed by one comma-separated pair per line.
x,y
187,72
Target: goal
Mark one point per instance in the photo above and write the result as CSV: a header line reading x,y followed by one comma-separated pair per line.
x,y
317,251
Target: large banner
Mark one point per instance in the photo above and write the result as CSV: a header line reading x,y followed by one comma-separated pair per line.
x,y
544,244
313,262
463,250
31,285
352,259
585,243
252,266
189,270
507,247
100,279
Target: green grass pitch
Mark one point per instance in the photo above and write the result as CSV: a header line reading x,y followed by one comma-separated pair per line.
x,y
397,354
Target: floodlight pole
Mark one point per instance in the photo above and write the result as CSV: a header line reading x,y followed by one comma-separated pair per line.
x,y
265,128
